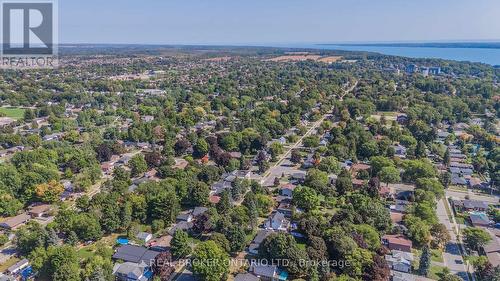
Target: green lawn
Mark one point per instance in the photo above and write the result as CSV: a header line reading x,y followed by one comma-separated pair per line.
x,y
436,256
12,112
435,272
85,253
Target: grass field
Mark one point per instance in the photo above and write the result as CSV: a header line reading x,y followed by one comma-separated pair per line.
x,y
12,112
10,262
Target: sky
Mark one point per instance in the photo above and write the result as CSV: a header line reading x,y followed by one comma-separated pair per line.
x,y
261,22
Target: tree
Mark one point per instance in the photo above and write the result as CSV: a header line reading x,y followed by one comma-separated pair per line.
x,y
432,185
221,240
311,141
379,162
201,148
153,159
449,277
224,205
370,235
389,174
343,184
237,238
104,153
440,235
419,168
276,149
163,267
181,146
49,192
318,180
138,165
180,244
305,198
57,263
425,261
418,230
475,237
296,156
29,115
9,206
380,270
30,237
330,165
211,262
316,248
3,239
282,246
446,157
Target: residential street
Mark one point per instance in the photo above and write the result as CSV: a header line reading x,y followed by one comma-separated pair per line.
x,y
452,257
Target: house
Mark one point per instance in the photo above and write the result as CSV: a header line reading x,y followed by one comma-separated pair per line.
x,y
235,154
199,211
18,267
4,277
129,271
183,225
187,217
458,180
39,210
15,222
53,137
402,276
385,192
180,164
144,237
357,183
399,151
396,217
399,206
397,242
400,261
285,209
269,272
474,205
278,222
287,190
253,248
246,277
147,118
402,119
107,167
475,182
135,254
356,168
492,251
479,219
299,176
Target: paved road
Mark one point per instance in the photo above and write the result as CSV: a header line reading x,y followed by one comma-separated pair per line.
x,y
452,256
278,169
472,195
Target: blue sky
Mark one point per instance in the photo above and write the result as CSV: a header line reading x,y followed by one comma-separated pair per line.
x,y
276,21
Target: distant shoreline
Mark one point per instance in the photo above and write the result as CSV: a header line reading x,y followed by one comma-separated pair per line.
x,y
475,45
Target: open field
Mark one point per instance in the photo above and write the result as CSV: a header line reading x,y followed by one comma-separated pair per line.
x,y
289,58
12,112
330,59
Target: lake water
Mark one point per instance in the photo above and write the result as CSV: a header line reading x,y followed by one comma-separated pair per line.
x,y
484,55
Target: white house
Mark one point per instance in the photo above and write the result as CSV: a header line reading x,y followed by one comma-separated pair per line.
x,y
278,222
400,261
144,236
